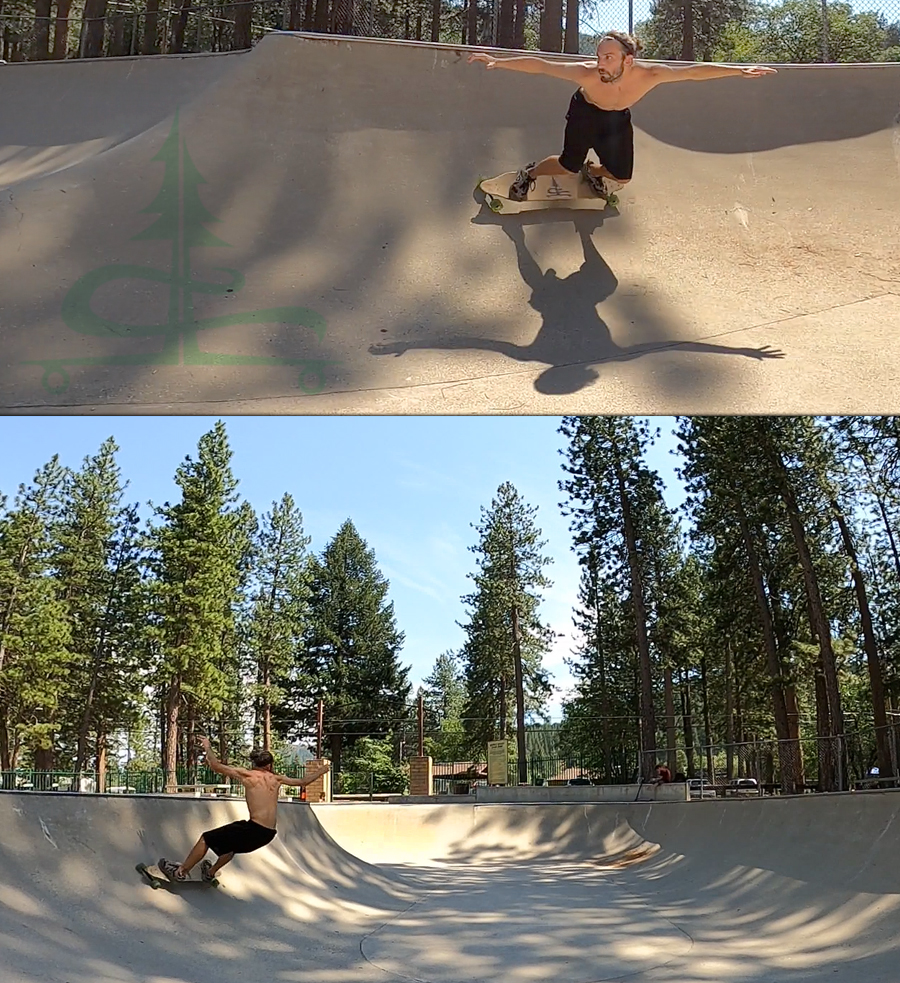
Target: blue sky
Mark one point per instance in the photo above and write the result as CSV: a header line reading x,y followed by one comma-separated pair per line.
x,y
412,486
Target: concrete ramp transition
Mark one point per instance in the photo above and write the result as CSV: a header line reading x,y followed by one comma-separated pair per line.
x,y
295,228
750,891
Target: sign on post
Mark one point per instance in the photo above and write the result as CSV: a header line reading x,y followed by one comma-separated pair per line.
x,y
496,762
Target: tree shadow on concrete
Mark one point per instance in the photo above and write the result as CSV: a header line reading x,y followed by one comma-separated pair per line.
x,y
573,338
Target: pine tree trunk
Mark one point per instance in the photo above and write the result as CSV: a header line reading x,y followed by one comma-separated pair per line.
x,y
61,32
320,17
40,46
173,703
729,713
181,27
572,45
876,681
335,742
890,533
102,762
687,30
819,621
5,756
92,28
519,37
648,715
472,22
788,753
671,733
86,719
688,721
435,20
149,43
551,26
707,723
824,748
506,24
267,709
520,698
501,736
243,19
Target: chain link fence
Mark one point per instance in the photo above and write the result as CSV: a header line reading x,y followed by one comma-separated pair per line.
x,y
701,30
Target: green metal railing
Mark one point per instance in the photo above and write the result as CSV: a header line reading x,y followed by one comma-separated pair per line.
x,y
125,780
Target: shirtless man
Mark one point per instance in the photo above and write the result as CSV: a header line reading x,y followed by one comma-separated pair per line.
x,y
599,114
261,786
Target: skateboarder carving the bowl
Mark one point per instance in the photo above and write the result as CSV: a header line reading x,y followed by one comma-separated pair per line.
x,y
261,787
599,115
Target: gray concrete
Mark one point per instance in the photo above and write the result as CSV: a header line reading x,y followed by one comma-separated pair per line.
x,y
675,792
764,890
754,265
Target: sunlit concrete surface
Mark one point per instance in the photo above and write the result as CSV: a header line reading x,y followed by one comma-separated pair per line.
x,y
750,891
754,265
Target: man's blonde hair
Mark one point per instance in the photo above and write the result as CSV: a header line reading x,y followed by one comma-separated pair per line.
x,y
628,41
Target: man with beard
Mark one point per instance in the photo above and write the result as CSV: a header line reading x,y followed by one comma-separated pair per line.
x,y
599,115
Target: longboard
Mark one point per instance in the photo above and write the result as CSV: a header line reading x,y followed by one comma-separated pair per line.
x,y
156,878
549,191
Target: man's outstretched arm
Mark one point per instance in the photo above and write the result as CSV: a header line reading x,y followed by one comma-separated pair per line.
x,y
702,72
308,778
532,65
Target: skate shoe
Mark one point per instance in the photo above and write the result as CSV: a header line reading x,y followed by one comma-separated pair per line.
x,y
170,870
522,184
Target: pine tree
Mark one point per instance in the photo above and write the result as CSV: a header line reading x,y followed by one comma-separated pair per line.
x,y
598,719
280,608
34,628
198,559
445,699
97,562
610,494
352,649
506,640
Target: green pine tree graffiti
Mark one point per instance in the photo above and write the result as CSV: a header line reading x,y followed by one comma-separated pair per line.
x,y
182,220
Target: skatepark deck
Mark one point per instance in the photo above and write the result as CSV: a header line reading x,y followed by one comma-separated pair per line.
x,y
294,229
761,890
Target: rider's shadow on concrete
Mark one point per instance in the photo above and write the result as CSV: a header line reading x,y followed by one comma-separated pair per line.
x,y
573,338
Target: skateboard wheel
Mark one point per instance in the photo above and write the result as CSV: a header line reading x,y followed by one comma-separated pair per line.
x,y
496,206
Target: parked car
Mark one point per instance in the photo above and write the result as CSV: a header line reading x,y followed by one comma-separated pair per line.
x,y
579,781
699,788
743,786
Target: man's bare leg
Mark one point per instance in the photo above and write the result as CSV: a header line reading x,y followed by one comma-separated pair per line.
x,y
598,170
198,852
220,863
547,166
551,165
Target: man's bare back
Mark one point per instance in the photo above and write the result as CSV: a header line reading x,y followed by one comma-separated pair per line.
x,y
261,785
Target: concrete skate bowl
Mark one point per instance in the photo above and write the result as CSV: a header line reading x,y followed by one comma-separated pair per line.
x,y
754,891
329,252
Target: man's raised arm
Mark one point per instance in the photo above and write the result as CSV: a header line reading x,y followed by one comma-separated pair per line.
x,y
308,778
213,762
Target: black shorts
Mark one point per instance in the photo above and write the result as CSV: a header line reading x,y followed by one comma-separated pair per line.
x,y
244,836
607,131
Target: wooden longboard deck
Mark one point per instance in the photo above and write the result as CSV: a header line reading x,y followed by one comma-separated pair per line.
x,y
549,191
156,877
